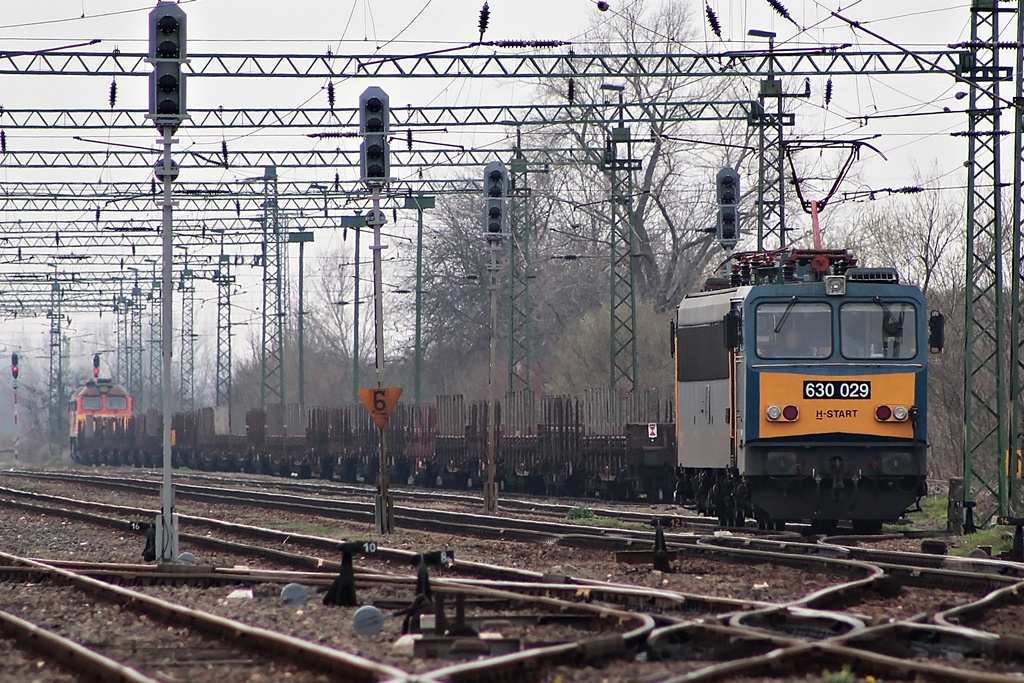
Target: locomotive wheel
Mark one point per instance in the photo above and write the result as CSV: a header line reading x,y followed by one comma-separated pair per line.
x,y
730,520
766,523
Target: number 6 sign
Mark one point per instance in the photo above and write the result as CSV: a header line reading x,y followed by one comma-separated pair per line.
x,y
380,402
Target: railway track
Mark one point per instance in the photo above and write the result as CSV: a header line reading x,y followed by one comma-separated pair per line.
x,y
866,583
64,608
533,507
347,492
966,575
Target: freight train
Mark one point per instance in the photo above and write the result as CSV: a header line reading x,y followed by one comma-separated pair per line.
x,y
602,444
800,394
801,383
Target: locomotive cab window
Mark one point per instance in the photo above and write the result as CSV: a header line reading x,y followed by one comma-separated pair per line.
x,y
878,329
92,403
117,403
794,329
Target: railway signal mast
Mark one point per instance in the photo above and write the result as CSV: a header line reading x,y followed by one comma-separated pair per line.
x,y
167,54
14,384
375,163
495,229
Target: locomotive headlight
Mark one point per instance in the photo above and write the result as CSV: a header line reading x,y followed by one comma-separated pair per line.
x,y
781,463
774,413
898,464
899,413
835,285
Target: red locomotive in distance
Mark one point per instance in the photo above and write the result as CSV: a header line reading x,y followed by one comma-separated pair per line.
x,y
107,404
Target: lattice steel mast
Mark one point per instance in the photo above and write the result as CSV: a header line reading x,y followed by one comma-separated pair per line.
x,y
188,341
985,379
623,356
519,330
272,389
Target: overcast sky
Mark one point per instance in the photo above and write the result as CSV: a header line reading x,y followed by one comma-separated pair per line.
x,y
410,26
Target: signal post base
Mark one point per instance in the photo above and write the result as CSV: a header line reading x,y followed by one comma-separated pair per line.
x,y
167,539
384,513
490,496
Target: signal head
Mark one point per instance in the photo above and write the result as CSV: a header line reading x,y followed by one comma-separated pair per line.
x,y
167,32
373,111
495,191
727,192
373,159
167,53
728,220
167,23
727,186
495,180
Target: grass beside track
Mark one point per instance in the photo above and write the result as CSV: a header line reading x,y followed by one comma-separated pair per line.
x,y
933,518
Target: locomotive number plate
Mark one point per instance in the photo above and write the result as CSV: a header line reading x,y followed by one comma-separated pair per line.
x,y
837,389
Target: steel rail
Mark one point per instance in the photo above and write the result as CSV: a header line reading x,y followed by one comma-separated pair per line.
x,y
70,654
305,653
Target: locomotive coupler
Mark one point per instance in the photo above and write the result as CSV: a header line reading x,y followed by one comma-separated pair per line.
x,y
856,487
817,491
837,473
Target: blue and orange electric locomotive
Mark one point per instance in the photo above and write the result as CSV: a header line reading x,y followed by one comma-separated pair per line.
x,y
801,386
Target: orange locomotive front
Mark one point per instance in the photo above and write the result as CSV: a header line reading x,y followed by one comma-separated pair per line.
x,y
106,403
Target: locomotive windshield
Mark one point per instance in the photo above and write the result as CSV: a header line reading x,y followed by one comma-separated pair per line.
x,y
92,403
794,329
117,403
878,329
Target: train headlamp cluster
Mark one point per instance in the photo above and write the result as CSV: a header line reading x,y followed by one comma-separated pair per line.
x,y
787,414
883,413
892,413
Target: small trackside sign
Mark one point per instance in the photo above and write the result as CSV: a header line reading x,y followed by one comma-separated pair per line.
x,y
380,402
652,430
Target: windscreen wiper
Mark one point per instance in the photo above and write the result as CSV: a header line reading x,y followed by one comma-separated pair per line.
x,y
785,315
892,325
